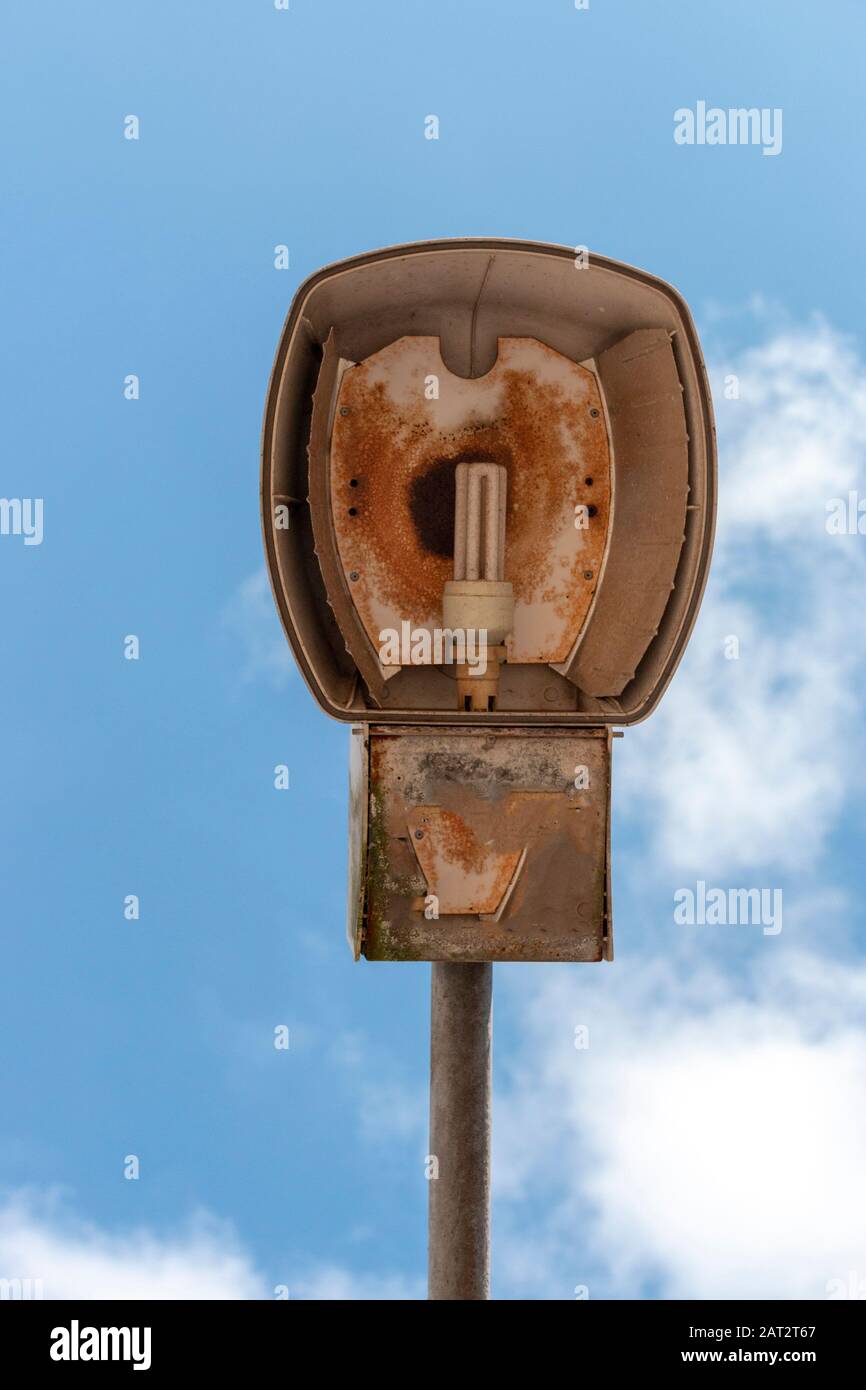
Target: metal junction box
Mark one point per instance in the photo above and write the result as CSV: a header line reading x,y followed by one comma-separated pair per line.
x,y
472,846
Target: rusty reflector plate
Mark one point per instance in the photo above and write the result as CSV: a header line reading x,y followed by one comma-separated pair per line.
x,y
401,425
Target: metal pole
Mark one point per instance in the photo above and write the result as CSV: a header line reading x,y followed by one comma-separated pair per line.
x,y
460,1071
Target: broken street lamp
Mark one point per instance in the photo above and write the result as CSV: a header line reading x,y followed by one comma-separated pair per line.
x,y
488,496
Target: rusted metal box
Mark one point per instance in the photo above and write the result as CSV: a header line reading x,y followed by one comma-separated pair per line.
x,y
473,845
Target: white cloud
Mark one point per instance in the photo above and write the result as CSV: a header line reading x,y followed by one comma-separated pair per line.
x,y
710,1142
54,1254
748,762
71,1258
795,437
250,616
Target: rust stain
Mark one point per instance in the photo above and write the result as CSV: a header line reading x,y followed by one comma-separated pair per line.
x,y
455,841
393,455
467,876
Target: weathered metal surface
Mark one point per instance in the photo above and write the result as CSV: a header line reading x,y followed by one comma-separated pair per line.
x,y
337,582
394,451
359,801
465,874
645,401
514,845
461,1039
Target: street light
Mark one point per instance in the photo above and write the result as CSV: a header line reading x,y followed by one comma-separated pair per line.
x,y
488,498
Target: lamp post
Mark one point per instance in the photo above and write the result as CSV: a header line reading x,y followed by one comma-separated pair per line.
x,y
461,1042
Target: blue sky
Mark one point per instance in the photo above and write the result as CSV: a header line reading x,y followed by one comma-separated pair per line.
x,y
156,257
